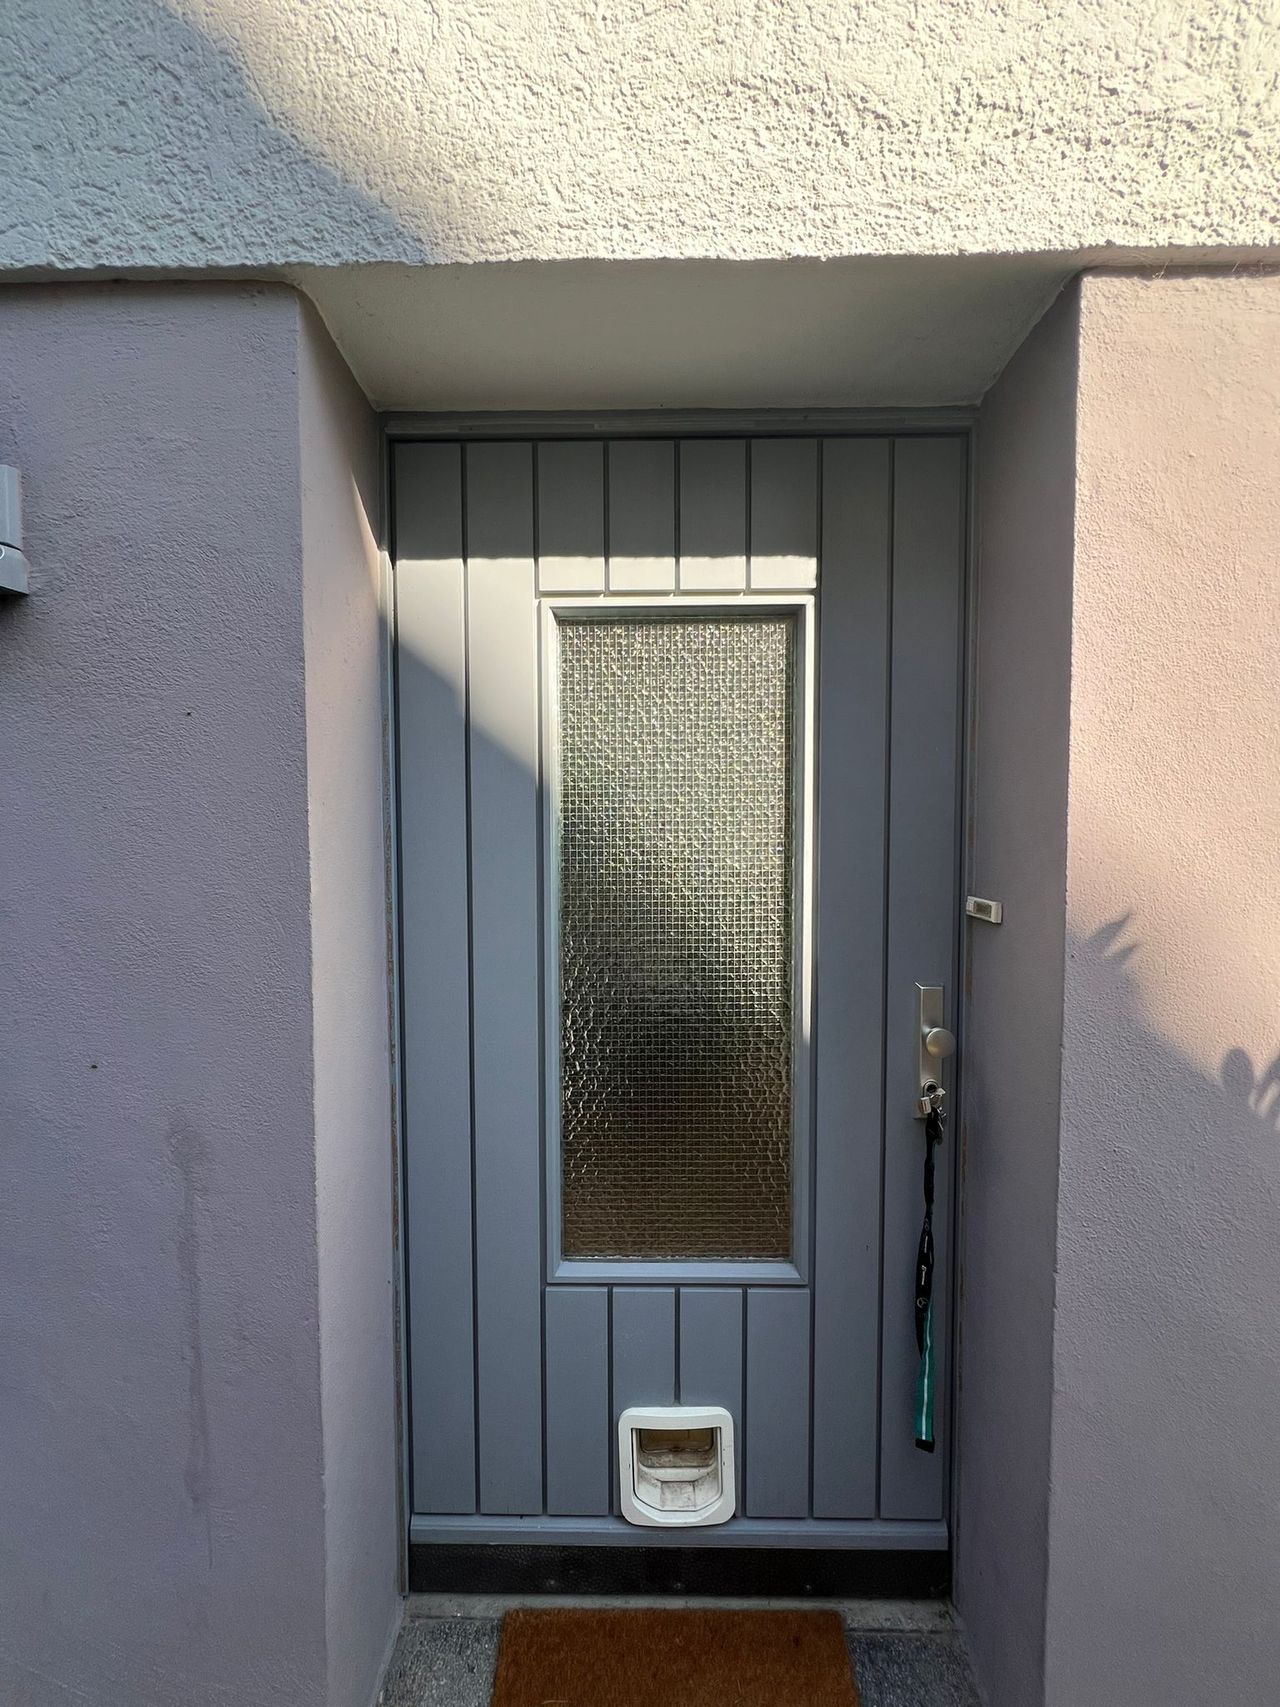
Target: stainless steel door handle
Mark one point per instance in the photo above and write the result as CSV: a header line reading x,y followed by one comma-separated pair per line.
x,y
934,1043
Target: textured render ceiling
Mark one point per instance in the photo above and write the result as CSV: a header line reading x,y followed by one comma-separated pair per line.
x,y
223,133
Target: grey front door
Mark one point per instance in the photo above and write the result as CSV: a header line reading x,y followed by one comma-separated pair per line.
x,y
678,728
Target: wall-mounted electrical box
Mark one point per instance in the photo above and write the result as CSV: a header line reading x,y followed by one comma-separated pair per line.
x,y
13,565
675,1465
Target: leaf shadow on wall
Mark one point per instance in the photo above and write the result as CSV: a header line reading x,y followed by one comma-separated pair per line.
x,y
1168,1260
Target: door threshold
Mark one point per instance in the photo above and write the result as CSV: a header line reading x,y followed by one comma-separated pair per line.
x,y
773,1573
889,1535
868,1615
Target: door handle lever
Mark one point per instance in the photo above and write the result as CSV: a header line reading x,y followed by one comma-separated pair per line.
x,y
934,1043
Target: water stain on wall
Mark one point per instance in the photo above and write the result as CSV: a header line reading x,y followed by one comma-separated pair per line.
x,y
188,1153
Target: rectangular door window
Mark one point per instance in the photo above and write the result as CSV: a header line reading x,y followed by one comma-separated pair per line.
x,y
675,852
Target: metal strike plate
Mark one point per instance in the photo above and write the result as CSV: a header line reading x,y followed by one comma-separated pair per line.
x,y
990,912
934,1043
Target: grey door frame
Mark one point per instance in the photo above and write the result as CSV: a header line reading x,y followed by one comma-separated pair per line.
x,y
952,422
679,423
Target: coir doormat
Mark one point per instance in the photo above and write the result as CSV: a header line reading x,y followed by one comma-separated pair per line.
x,y
573,1657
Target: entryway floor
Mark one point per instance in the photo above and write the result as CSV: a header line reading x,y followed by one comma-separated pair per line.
x,y
904,1653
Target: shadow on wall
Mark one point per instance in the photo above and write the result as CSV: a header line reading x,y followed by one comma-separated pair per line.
x,y
139,111
1260,1091
1103,958
1168,1339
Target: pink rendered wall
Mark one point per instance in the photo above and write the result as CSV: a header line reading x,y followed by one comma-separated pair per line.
x,y
350,994
1164,1552
195,1364
1013,1022
1118,1535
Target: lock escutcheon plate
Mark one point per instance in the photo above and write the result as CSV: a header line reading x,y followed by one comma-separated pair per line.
x,y
934,1044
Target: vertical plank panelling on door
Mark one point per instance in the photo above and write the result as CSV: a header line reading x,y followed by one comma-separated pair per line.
x,y
929,507
579,1439
516,1392
849,1005
644,1352
777,1423
711,1354
570,517
435,970
713,515
502,651
784,514
642,516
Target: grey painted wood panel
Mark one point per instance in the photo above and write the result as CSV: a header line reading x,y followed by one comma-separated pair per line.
x,y
435,971
713,515
570,517
929,509
711,1341
506,974
643,1355
849,1000
470,632
784,514
580,1442
777,1420
642,516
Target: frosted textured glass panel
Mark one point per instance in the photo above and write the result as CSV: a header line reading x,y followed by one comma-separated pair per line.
x,y
675,883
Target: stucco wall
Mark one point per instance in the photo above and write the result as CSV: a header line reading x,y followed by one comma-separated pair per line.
x,y
1127,761
350,992
206,133
174,1515
1164,1558
1013,1024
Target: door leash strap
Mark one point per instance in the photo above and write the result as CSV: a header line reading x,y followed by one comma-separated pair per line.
x,y
934,1123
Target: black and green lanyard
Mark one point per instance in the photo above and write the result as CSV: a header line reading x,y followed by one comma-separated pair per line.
x,y
935,1120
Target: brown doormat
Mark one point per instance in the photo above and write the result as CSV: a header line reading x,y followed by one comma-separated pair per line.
x,y
572,1657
